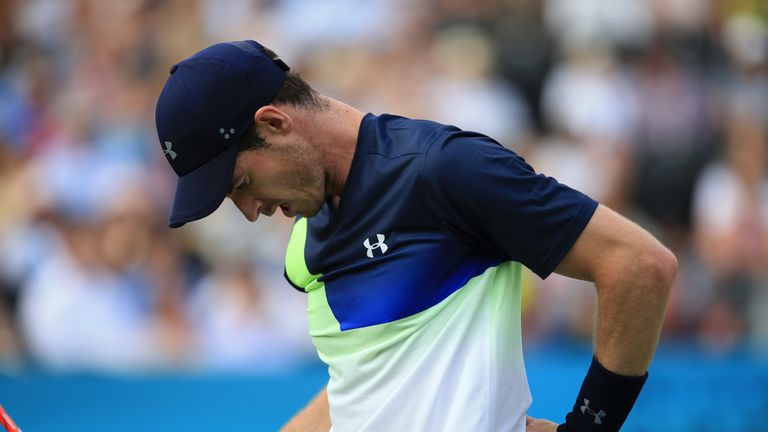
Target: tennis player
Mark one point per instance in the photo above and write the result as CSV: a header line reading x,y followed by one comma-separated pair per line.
x,y
409,239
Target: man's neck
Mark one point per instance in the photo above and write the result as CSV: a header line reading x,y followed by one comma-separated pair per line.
x,y
335,131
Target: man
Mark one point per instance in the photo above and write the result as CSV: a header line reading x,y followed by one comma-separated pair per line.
x,y
409,240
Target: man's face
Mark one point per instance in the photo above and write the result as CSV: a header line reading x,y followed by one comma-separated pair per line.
x,y
285,175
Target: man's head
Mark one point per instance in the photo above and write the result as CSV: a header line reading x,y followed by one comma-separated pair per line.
x,y
224,101
277,166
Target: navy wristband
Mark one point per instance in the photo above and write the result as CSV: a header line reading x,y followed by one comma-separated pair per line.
x,y
604,401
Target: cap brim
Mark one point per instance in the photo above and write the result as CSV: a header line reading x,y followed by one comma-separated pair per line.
x,y
202,191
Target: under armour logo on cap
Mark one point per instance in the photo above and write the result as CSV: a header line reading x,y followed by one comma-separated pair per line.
x,y
598,415
168,150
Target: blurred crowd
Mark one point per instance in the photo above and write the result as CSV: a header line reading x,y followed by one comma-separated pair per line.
x,y
657,108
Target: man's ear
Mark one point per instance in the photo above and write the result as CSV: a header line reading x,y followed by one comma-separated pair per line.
x,y
271,120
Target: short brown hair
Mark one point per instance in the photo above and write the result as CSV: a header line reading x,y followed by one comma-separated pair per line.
x,y
294,91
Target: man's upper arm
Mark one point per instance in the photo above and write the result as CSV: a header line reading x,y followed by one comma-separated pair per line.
x,y
608,244
494,197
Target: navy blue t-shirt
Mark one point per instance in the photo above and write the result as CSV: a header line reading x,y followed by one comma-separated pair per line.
x,y
425,208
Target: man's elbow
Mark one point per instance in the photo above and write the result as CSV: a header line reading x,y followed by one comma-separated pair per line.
x,y
659,267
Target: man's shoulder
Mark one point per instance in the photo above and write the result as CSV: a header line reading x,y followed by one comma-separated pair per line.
x,y
394,136
444,150
394,122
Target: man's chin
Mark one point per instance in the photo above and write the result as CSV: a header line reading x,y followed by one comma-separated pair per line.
x,y
308,213
292,213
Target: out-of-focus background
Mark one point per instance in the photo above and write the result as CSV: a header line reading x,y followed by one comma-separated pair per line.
x,y
111,321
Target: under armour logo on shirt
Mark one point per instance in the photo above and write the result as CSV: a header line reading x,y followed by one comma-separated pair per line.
x,y
168,150
598,415
379,245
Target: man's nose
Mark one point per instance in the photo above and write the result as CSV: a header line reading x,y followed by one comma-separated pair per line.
x,y
250,208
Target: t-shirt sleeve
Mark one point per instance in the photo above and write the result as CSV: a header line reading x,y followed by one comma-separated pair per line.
x,y
492,197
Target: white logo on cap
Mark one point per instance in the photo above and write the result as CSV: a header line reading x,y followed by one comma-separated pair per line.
x,y
224,132
168,150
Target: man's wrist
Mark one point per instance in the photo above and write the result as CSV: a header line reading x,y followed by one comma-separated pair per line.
x,y
604,402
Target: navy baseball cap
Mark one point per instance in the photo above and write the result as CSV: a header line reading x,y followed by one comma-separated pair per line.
x,y
207,103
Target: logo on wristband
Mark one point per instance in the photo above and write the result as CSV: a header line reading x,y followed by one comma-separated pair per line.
x,y
598,415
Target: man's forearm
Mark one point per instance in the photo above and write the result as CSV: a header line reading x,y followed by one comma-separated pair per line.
x,y
315,417
630,312
633,273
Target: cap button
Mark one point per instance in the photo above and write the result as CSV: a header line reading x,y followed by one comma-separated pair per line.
x,y
174,67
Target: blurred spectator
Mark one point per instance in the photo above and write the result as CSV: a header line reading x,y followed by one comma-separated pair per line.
x,y
465,72
88,303
674,137
731,231
580,23
592,110
656,108
523,50
76,313
234,325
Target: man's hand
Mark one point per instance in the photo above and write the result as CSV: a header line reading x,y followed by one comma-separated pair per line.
x,y
539,425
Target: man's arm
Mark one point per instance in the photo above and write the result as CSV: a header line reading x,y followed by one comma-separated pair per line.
x,y
633,274
315,417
